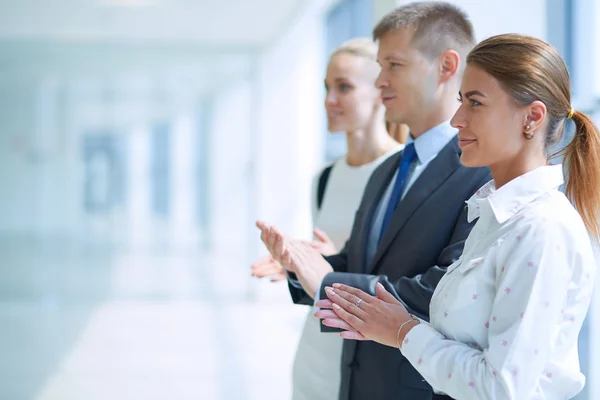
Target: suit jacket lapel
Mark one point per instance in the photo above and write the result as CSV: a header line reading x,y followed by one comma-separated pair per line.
x,y
434,175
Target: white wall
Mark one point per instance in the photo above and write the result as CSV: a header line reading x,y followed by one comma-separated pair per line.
x,y
230,175
36,176
18,165
290,132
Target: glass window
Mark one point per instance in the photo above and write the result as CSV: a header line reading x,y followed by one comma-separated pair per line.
x,y
160,150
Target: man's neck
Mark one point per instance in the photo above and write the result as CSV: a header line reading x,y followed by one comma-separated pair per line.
x,y
433,118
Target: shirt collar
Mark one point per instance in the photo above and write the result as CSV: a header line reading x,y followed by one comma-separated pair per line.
x,y
432,141
516,194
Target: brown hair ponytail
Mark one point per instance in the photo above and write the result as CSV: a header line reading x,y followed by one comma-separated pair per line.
x,y
582,166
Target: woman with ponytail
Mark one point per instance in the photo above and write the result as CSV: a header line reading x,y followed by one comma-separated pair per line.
x,y
505,318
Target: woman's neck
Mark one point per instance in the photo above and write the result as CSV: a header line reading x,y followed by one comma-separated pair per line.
x,y
505,172
367,145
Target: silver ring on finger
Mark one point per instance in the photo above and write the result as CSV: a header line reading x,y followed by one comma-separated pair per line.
x,y
357,304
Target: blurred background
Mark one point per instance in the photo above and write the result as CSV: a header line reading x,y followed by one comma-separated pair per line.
x,y
139,142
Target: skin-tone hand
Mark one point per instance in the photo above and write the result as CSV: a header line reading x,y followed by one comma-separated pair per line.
x,y
274,241
268,266
309,264
376,318
296,256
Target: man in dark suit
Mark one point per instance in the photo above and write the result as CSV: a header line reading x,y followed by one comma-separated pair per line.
x,y
411,224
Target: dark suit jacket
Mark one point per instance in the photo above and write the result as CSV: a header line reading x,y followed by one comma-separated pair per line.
x,y
425,235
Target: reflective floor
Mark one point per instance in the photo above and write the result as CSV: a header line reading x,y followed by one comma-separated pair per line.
x,y
83,321
87,321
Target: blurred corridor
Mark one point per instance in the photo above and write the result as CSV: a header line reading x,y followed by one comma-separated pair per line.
x,y
139,142
86,321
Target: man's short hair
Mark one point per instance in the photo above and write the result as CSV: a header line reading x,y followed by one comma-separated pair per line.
x,y
438,26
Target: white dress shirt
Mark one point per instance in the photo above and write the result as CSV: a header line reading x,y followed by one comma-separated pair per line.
x,y
506,316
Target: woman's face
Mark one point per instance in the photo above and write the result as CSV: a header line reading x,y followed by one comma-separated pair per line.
x,y
490,123
352,99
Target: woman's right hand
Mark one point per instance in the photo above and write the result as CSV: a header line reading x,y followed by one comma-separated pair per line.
x,y
268,266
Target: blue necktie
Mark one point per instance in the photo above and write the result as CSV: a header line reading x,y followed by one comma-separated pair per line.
x,y
408,156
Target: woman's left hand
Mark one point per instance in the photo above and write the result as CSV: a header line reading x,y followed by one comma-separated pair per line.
x,y
364,317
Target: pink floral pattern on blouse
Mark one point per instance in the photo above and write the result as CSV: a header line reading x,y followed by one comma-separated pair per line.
x,y
529,265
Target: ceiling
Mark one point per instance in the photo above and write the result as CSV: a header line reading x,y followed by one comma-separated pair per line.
x,y
206,42
232,24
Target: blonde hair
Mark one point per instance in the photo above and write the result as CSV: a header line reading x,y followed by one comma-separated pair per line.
x,y
362,47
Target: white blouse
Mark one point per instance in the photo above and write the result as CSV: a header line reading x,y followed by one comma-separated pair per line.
x,y
506,316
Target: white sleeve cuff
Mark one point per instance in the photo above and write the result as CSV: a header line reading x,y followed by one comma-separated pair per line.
x,y
417,340
318,293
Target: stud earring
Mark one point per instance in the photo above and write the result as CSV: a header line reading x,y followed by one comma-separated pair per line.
x,y
528,135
